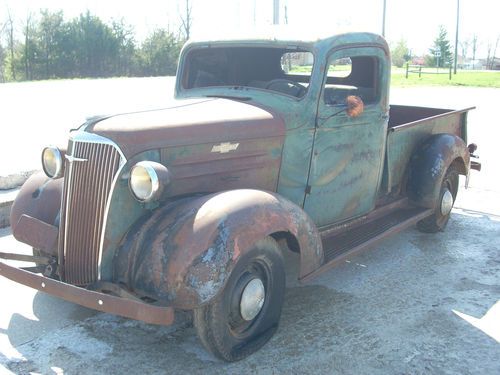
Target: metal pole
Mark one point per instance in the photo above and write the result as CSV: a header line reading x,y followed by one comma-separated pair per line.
x,y
276,12
383,19
456,39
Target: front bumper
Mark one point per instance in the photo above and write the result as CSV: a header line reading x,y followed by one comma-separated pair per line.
x,y
129,308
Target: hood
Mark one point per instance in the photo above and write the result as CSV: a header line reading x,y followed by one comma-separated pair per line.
x,y
189,122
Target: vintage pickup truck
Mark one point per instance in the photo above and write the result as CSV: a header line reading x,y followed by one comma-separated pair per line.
x,y
273,145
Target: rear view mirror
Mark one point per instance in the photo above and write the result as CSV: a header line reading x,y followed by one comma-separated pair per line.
x,y
355,106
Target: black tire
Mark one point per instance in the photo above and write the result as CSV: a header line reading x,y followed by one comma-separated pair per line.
x,y
437,221
220,325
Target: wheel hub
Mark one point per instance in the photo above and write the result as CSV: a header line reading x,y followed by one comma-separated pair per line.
x,y
252,299
446,203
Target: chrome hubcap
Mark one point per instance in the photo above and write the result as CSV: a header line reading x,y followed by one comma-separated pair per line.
x,y
252,299
446,203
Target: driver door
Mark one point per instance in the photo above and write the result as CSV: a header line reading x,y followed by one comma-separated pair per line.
x,y
348,152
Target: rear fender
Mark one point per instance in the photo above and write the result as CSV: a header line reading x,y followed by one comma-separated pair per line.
x,y
186,250
429,164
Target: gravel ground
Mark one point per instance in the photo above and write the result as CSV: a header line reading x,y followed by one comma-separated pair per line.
x,y
415,304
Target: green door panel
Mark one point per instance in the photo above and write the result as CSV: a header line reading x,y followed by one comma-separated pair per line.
x,y
348,153
295,163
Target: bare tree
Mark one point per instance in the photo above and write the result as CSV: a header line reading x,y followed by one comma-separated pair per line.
x,y
27,47
488,56
10,31
187,21
464,46
475,45
495,52
2,53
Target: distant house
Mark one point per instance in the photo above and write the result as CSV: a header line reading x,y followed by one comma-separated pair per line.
x,y
495,64
418,60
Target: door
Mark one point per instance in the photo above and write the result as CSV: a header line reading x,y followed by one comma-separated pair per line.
x,y
348,152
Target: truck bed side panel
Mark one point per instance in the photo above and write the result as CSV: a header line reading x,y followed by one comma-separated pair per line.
x,y
403,139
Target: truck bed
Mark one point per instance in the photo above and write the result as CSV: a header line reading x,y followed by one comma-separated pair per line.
x,y
408,127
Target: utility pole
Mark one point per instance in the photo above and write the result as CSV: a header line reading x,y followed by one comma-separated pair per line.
x,y
456,39
276,12
383,19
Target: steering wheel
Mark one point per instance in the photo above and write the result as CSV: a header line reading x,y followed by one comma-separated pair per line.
x,y
286,85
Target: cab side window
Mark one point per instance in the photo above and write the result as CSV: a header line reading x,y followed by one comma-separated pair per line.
x,y
356,75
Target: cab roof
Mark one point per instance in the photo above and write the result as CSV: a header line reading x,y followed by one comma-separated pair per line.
x,y
285,36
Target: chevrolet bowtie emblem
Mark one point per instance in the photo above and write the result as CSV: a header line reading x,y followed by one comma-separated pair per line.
x,y
71,159
225,147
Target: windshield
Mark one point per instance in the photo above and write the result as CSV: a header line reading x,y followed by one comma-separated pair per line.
x,y
282,70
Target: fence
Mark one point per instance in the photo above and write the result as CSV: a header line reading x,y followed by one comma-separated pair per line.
x,y
418,69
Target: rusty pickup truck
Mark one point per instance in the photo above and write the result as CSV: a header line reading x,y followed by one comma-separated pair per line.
x,y
273,145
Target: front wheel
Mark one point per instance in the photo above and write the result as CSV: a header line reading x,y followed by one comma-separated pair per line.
x,y
447,195
245,315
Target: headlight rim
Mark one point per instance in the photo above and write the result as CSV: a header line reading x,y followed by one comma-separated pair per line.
x,y
156,185
59,170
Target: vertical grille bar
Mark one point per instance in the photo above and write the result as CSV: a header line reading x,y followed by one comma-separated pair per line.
x,y
90,172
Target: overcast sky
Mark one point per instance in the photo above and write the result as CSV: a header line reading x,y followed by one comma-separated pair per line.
x,y
416,21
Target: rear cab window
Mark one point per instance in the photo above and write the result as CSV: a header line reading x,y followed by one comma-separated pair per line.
x,y
352,75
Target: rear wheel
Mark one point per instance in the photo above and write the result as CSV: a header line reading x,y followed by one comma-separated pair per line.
x,y
447,195
245,315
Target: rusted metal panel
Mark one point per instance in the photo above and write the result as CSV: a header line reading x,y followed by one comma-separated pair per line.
x,y
345,244
129,308
403,140
40,198
88,187
255,163
209,121
348,154
430,163
252,163
185,251
180,250
38,234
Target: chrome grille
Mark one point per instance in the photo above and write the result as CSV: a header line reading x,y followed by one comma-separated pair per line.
x,y
90,171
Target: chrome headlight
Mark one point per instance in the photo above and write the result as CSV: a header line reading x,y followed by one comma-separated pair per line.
x,y
148,179
52,162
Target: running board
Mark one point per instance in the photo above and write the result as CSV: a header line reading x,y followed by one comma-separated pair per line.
x,y
342,245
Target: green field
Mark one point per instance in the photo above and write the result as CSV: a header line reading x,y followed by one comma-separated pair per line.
x,y
462,78
471,78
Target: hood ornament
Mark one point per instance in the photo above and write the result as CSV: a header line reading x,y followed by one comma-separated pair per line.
x,y
225,147
71,159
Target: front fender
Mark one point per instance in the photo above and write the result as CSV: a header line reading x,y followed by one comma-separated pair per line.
x,y
429,164
34,216
186,250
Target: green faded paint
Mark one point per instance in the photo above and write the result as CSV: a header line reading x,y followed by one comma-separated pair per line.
x,y
402,144
346,164
300,115
124,210
332,165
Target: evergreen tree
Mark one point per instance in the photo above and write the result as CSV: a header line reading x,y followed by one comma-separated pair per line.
x,y
441,45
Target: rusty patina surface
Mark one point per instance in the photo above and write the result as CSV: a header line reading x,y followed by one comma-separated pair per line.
x,y
186,250
129,308
245,162
429,165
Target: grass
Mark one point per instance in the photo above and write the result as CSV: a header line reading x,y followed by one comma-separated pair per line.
x,y
471,78
462,78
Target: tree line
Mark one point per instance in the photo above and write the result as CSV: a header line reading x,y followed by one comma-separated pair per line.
x,y
49,46
441,54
